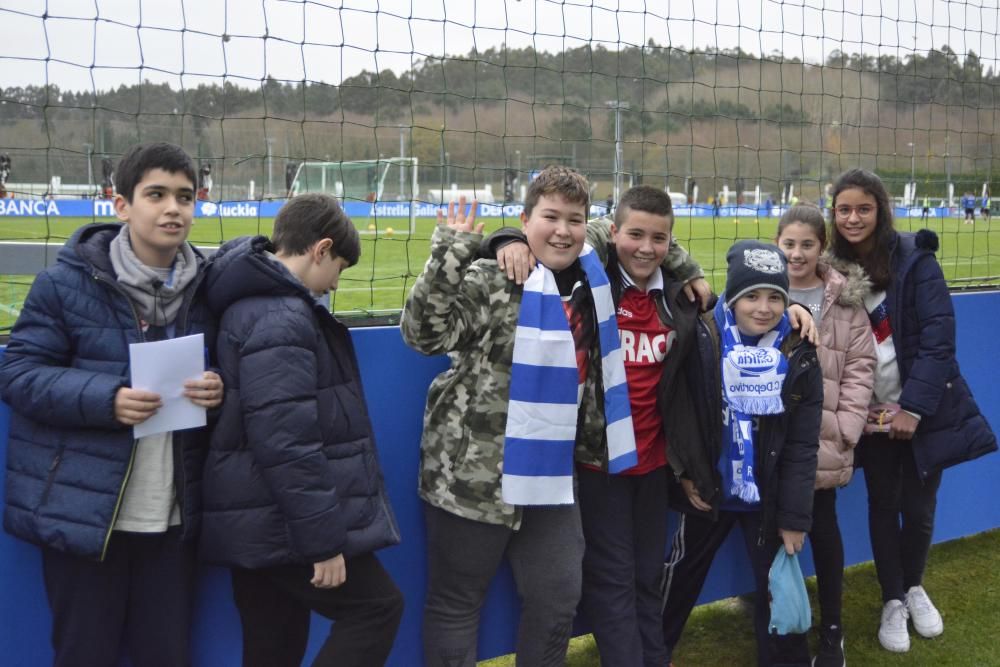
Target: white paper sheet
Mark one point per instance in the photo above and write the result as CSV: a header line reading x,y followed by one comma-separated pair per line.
x,y
163,366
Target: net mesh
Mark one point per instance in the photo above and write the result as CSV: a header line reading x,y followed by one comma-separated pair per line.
x,y
736,107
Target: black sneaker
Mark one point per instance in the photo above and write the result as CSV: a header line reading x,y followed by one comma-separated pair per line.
x,y
831,648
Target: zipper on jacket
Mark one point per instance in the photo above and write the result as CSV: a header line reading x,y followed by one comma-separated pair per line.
x,y
135,313
181,329
182,319
131,458
118,504
50,478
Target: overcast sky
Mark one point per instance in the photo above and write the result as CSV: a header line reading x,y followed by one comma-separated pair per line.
x,y
87,44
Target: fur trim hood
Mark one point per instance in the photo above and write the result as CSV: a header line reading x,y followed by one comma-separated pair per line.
x,y
905,242
856,285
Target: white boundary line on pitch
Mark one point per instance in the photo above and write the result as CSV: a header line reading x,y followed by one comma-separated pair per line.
x,y
371,289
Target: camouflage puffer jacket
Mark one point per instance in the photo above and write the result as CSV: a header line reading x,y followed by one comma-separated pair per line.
x,y
468,309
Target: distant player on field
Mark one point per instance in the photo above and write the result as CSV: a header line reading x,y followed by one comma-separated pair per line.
x,y
4,174
969,204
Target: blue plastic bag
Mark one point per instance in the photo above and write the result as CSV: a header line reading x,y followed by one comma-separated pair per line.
x,y
790,612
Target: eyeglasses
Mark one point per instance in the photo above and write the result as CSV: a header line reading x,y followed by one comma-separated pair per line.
x,y
863,211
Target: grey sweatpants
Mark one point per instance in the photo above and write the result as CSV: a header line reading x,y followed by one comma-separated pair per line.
x,y
546,556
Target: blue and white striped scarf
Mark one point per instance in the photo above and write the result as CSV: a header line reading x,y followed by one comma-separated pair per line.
x,y
752,378
544,392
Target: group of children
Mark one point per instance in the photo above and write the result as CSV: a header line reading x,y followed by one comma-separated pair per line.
x,y
734,417
587,393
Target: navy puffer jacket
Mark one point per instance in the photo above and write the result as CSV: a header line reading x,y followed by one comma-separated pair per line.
x,y
787,443
951,429
68,457
292,474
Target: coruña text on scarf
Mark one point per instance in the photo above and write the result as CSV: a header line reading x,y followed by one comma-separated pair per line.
x,y
752,379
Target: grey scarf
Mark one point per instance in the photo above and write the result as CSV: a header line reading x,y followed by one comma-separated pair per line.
x,y
156,302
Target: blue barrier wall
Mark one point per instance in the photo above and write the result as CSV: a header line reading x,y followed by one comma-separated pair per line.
x,y
396,380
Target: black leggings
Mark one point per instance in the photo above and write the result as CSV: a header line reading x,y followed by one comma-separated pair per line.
x,y
828,556
900,513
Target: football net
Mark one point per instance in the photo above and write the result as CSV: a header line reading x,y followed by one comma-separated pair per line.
x,y
738,108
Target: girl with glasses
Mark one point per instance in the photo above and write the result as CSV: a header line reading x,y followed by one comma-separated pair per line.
x,y
923,418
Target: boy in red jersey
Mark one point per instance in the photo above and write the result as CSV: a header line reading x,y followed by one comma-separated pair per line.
x,y
625,515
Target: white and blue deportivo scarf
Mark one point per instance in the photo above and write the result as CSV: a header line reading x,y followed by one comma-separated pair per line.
x,y
544,392
752,377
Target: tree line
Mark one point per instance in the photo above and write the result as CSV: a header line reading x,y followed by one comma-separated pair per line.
x,y
575,80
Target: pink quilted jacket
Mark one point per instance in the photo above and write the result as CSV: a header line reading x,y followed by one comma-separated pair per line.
x,y
847,357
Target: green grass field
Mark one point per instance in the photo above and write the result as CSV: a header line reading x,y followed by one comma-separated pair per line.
x,y
962,578
389,262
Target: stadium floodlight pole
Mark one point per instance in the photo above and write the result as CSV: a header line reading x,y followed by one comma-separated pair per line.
x,y
947,169
618,105
89,150
687,171
520,181
270,179
913,177
402,153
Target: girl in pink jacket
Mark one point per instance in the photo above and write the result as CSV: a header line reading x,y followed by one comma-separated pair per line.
x,y
847,357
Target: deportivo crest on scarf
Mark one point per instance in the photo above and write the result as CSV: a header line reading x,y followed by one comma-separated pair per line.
x,y
752,380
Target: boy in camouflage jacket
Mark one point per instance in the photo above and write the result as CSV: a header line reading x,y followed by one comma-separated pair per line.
x,y
469,309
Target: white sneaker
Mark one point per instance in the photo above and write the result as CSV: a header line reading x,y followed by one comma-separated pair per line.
x,y
892,633
926,618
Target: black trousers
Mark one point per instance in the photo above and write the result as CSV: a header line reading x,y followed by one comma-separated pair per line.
x,y
275,604
828,556
693,548
625,528
141,596
901,510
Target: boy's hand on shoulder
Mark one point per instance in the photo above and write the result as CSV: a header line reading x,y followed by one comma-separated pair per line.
x,y
515,258
459,220
698,289
206,392
800,318
329,573
134,406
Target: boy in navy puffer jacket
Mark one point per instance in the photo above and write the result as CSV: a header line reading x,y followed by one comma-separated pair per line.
x,y
294,498
115,516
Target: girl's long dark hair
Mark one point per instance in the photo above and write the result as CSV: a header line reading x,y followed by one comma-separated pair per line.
x,y
876,261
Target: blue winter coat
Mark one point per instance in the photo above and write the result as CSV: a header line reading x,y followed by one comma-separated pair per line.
x,y
292,474
951,429
68,457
